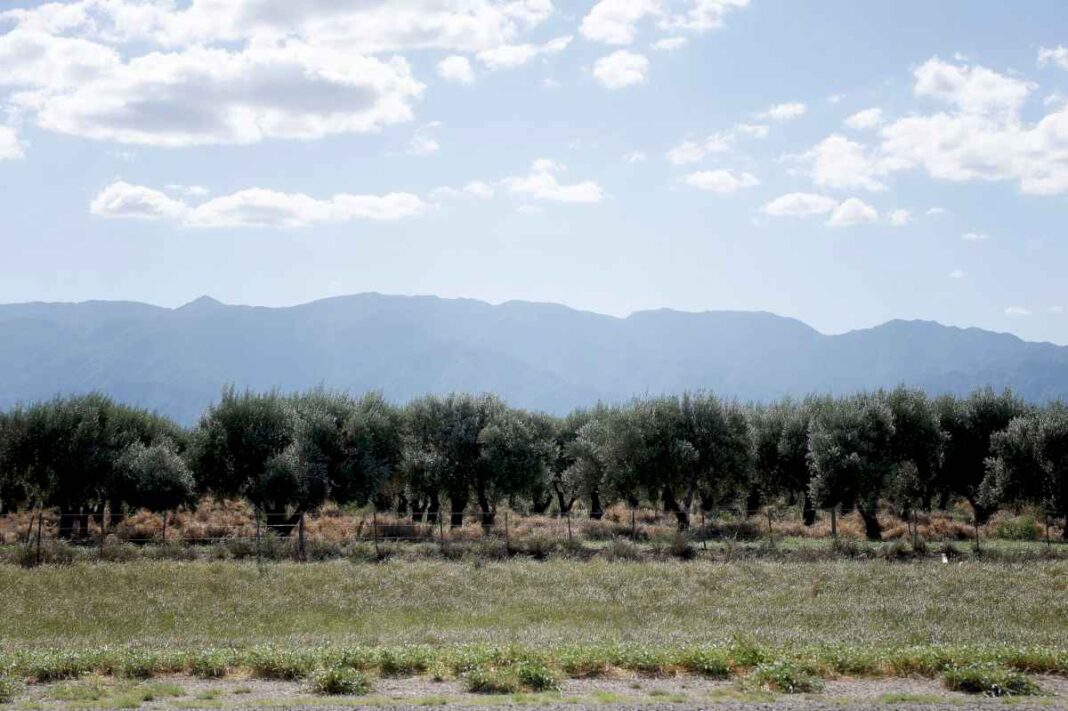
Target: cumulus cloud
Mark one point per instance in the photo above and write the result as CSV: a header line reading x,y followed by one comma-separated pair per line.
x,y
474,190
864,120
785,112
10,147
980,134
621,69
208,96
1017,311
456,68
899,217
369,26
692,152
508,56
542,184
1053,55
422,142
616,21
685,153
721,181
853,211
799,205
670,44
635,157
254,207
838,162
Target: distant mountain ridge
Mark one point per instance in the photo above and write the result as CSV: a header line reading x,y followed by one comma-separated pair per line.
x,y
543,356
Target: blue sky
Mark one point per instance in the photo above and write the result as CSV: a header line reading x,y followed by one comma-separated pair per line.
x,y
841,162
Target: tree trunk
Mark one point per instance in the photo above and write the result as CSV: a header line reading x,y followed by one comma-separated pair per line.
x,y
402,504
418,508
596,510
808,511
278,520
433,509
66,522
83,522
872,530
457,503
487,510
682,514
562,500
752,501
539,506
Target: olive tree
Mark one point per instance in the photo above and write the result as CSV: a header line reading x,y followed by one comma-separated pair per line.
x,y
851,454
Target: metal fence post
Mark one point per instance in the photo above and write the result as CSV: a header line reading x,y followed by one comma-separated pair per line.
x,y
300,539
40,525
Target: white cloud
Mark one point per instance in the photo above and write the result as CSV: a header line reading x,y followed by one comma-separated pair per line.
x,y
685,153
853,212
799,205
721,181
616,21
932,211
10,147
422,143
838,162
207,96
670,44
1017,311
542,184
189,190
368,26
509,56
635,157
785,112
866,119
1053,55
254,207
621,69
974,236
956,274
474,190
899,217
972,89
123,200
456,68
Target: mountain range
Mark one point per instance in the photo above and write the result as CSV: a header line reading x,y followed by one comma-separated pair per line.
x,y
536,355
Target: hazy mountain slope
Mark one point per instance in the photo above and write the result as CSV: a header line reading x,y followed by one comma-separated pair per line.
x,y
535,355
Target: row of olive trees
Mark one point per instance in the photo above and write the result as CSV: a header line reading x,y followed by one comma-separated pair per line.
x,y
88,456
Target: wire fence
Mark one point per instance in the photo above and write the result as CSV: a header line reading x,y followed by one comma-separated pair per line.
x,y
261,532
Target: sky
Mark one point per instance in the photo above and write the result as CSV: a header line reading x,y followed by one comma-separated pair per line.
x,y
841,162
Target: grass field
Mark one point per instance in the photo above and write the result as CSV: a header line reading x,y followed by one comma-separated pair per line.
x,y
575,618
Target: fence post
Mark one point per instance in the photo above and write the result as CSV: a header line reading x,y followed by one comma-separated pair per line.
x,y
40,525
1048,541
915,532
633,527
300,539
441,531
508,537
374,531
569,539
164,527
975,522
834,522
103,533
704,532
259,549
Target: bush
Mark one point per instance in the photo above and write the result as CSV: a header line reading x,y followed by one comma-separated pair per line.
x,y
710,662
786,677
492,681
212,664
340,681
536,676
9,689
278,664
988,679
1019,528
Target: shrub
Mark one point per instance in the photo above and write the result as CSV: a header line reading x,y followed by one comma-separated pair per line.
x,y
277,664
988,679
492,681
536,676
9,689
1019,528
786,677
211,664
337,680
403,663
710,662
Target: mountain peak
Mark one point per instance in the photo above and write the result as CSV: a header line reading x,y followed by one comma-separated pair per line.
x,y
201,304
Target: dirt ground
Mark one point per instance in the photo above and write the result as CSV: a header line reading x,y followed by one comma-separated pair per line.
x,y
676,694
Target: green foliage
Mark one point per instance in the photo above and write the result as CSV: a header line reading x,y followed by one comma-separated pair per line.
x,y
786,677
9,689
339,680
492,681
537,676
988,679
